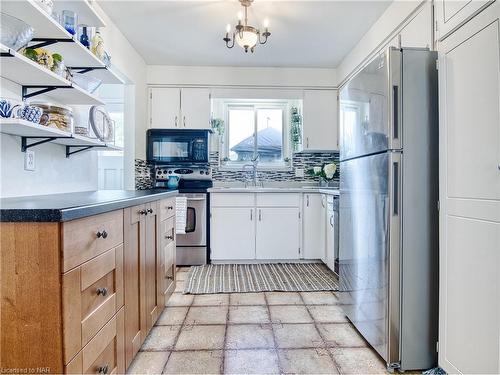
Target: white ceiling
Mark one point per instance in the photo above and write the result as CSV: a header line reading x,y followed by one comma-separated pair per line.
x,y
304,33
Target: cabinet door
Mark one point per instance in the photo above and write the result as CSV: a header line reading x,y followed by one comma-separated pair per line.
x,y
320,128
232,232
452,13
134,280
278,233
165,108
152,260
166,266
313,239
195,108
469,74
330,240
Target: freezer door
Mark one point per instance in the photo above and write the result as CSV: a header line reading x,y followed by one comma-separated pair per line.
x,y
369,210
370,108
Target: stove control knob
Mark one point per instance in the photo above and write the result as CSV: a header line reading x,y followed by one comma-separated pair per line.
x,y
169,172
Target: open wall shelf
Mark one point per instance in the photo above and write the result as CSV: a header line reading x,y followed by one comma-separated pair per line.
x,y
34,134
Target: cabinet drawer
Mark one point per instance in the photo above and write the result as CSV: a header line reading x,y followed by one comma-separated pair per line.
x,y
232,199
104,353
167,208
92,294
85,238
167,231
278,200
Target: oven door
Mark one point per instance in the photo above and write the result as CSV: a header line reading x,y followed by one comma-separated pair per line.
x,y
196,221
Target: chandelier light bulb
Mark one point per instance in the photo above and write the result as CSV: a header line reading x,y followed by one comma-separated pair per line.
x,y
266,23
240,16
228,28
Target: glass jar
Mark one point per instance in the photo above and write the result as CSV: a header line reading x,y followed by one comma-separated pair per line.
x,y
56,116
69,21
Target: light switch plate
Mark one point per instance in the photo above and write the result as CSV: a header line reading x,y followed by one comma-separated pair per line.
x,y
299,172
29,160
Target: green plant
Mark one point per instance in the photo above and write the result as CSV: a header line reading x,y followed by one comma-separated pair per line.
x,y
217,125
295,128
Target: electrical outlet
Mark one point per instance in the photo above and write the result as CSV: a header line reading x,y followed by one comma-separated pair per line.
x,y
29,160
299,172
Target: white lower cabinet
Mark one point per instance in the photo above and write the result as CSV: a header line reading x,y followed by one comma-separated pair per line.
x,y
314,225
232,233
246,227
278,233
330,235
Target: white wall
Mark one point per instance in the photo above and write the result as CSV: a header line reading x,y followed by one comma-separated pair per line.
x,y
241,76
398,15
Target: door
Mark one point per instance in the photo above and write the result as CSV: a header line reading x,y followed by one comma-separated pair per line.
x,y
320,128
195,108
365,241
364,124
165,108
452,13
134,270
152,259
278,233
232,233
469,333
314,227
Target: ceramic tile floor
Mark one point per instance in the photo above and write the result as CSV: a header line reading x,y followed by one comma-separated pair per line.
x,y
254,333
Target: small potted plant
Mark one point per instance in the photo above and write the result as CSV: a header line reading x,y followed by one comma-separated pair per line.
x,y
325,173
217,136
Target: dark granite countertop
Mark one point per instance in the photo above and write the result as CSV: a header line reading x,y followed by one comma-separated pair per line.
x,y
70,206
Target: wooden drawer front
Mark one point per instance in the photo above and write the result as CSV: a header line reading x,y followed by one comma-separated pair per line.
x,y
85,238
104,353
278,200
167,208
92,294
232,199
167,231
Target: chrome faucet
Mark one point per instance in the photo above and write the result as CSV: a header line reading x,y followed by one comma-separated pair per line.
x,y
255,162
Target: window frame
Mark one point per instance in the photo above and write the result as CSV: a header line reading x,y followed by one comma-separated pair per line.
x,y
258,104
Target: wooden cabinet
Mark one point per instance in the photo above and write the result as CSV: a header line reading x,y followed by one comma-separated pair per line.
x,y
469,81
232,233
450,14
320,126
313,239
164,107
255,226
179,108
167,246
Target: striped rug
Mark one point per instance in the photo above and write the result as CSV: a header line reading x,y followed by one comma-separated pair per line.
x,y
242,278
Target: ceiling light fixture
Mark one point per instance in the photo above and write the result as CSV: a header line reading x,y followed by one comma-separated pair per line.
x,y
246,36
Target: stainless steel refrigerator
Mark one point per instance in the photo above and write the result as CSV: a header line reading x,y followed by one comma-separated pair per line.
x,y
389,206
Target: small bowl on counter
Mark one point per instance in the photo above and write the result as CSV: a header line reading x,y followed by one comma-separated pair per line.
x,y
56,116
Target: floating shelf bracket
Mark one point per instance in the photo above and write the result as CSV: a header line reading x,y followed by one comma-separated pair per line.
x,y
83,70
25,145
42,90
44,42
80,149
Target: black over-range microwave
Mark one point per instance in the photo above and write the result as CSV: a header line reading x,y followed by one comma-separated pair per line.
x,y
178,146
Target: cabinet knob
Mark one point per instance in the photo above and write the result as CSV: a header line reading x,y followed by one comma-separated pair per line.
x,y
102,234
170,207
103,369
143,212
149,210
102,292
169,237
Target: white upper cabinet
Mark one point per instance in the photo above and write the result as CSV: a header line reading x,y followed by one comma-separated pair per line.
x,y
314,226
278,233
418,32
175,108
164,107
320,127
469,108
452,13
195,108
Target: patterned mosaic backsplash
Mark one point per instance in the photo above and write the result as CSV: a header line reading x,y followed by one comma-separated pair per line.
x,y
144,172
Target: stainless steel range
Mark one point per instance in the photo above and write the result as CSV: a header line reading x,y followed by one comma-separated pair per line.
x,y
192,247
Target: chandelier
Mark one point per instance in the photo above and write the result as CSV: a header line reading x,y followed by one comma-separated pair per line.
x,y
245,35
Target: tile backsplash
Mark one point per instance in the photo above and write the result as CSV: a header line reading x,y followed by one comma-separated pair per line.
x,y
144,172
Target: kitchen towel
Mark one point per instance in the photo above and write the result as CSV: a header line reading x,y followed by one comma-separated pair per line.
x,y
180,214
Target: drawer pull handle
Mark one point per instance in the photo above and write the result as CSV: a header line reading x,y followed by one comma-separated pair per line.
x,y
149,210
170,207
143,212
102,292
102,234
103,369
169,237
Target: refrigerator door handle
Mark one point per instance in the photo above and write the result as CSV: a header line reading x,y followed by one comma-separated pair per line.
x,y
395,209
395,72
